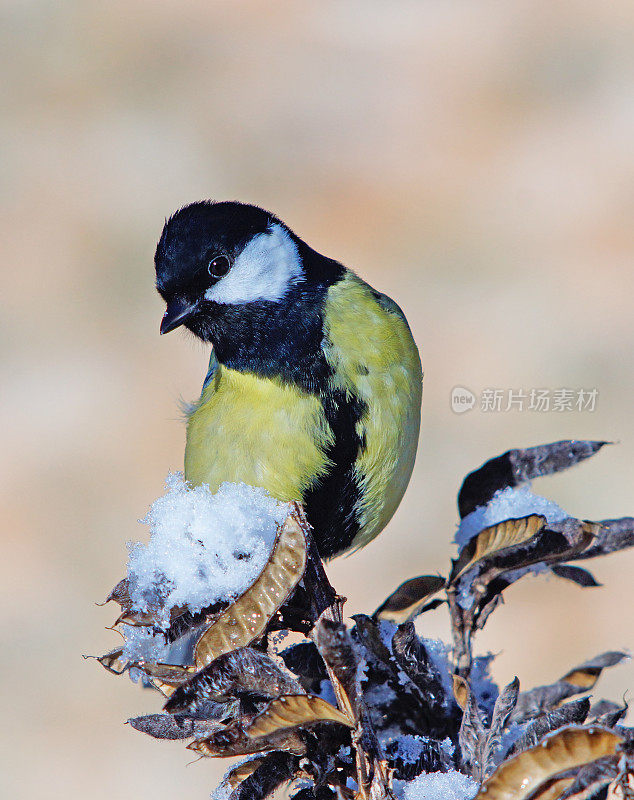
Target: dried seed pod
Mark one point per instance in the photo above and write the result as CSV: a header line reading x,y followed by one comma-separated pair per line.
x,y
494,539
294,711
246,619
411,598
232,740
520,776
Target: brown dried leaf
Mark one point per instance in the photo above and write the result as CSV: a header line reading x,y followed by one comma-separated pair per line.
x,y
472,737
502,710
114,661
409,599
136,619
542,699
335,647
171,674
272,771
242,771
120,595
587,674
293,711
245,672
494,539
460,691
612,535
592,778
518,466
573,713
246,619
166,726
608,714
520,776
232,740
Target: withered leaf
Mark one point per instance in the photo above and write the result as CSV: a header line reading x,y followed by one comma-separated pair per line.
x,y
586,675
518,466
472,737
303,660
120,595
396,701
171,674
478,744
335,646
412,657
518,777
577,575
137,619
167,726
608,714
542,699
293,711
410,598
232,740
114,661
243,673
573,713
269,774
591,778
495,539
502,710
367,631
612,535
242,771
246,619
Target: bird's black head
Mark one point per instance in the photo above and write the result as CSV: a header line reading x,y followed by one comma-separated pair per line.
x,y
212,256
236,276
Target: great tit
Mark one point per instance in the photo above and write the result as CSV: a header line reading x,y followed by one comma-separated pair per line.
x,y
314,383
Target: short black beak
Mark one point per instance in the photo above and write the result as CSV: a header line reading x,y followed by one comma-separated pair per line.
x,y
176,314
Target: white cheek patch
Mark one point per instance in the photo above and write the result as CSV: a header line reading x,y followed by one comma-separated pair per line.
x,y
265,270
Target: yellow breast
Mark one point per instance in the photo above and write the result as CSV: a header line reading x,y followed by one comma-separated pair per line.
x,y
256,430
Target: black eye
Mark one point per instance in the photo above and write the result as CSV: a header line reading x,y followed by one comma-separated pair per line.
x,y
219,266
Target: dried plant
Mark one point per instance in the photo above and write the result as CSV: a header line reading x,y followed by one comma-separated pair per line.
x,y
349,712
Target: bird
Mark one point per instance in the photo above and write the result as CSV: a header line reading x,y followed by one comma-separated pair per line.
x,y
314,385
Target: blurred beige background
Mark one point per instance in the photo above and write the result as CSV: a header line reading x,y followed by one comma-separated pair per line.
x,y
473,160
